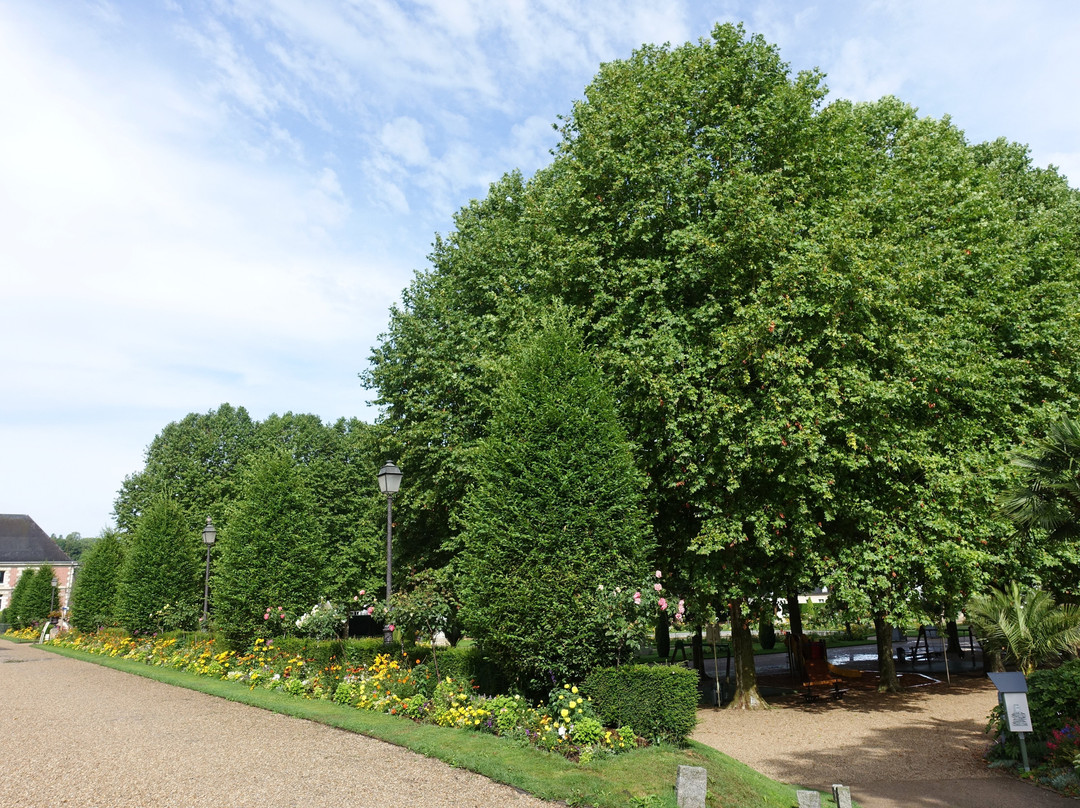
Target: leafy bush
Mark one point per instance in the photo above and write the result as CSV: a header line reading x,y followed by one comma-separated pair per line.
x,y
270,553
1053,702
658,701
556,510
161,569
93,596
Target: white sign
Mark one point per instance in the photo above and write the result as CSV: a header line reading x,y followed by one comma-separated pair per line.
x,y
1016,712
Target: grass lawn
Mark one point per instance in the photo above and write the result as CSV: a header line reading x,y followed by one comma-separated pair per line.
x,y
643,778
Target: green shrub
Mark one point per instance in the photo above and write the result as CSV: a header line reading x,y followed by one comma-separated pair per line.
x,y
1053,702
93,596
555,511
657,701
161,569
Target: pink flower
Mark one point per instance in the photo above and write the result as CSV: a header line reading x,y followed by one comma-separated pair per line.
x,y
361,593
682,606
266,616
637,598
657,587
355,598
371,610
658,574
391,626
663,604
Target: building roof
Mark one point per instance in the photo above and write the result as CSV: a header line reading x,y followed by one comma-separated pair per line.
x,y
23,542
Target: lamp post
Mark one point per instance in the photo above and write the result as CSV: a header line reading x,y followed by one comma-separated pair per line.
x,y
209,536
389,484
52,598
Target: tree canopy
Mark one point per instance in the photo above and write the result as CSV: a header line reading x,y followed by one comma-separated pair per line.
x,y
824,324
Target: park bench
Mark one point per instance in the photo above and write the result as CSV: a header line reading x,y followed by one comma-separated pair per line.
x,y
816,674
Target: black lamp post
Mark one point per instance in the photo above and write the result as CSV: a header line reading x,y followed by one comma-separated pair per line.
x,y
209,536
52,598
389,484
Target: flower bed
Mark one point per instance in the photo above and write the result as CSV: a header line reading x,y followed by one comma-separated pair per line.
x,y
394,685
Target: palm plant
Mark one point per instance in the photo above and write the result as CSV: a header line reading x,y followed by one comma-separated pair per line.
x,y
1048,495
1025,624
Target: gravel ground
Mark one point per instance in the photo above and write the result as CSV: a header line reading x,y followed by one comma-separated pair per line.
x,y
922,747
75,733
79,734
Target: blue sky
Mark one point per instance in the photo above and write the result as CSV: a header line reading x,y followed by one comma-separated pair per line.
x,y
218,201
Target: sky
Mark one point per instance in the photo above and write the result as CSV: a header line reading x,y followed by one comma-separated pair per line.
x,y
220,200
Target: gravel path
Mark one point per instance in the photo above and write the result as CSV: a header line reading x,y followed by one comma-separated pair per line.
x,y
920,748
79,734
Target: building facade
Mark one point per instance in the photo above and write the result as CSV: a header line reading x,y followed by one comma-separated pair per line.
x,y
25,546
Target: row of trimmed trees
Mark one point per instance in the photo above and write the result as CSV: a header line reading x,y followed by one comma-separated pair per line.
x,y
297,512
32,599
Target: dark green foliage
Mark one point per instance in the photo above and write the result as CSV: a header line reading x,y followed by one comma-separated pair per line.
x,y
93,597
40,597
767,633
1044,505
272,554
74,545
466,665
13,614
657,701
30,600
1053,702
554,513
160,577
196,462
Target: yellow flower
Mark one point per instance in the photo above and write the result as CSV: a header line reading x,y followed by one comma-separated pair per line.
x,y
564,713
573,690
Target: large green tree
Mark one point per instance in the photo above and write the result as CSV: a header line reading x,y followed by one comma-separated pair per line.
x,y
93,596
555,513
196,462
824,326
160,583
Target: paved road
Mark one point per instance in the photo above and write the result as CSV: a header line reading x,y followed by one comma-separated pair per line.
x,y
75,733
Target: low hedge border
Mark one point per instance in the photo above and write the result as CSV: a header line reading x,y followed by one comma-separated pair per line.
x,y
659,701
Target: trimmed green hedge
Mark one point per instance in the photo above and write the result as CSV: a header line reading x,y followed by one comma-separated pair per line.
x,y
657,701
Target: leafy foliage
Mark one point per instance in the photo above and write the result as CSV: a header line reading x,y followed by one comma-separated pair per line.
x,y
554,513
1044,505
94,594
824,326
272,554
1026,624
161,572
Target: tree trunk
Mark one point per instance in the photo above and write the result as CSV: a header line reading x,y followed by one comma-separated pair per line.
x,y
794,614
698,647
992,661
954,638
742,645
887,679
663,636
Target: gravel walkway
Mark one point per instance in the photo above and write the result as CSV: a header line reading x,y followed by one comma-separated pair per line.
x,y
80,734
918,749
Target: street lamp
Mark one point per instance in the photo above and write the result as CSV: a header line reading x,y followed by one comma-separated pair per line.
x,y
389,484
52,599
209,536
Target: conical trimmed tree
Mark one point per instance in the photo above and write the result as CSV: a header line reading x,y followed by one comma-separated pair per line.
x,y
271,555
160,579
556,512
93,597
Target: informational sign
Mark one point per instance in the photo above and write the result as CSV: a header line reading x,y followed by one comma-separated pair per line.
x,y
1016,712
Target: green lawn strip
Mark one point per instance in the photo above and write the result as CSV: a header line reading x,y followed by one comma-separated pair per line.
x,y
643,777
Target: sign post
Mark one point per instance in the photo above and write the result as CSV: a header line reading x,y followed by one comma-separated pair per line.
x,y
1012,696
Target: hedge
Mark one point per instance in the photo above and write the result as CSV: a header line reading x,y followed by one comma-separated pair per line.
x,y
658,701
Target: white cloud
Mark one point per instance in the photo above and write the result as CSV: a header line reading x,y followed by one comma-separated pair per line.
x,y
403,137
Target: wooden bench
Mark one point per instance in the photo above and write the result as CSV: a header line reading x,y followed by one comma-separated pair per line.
x,y
818,675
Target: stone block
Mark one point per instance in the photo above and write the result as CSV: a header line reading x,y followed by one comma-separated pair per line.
x,y
809,799
841,796
690,787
